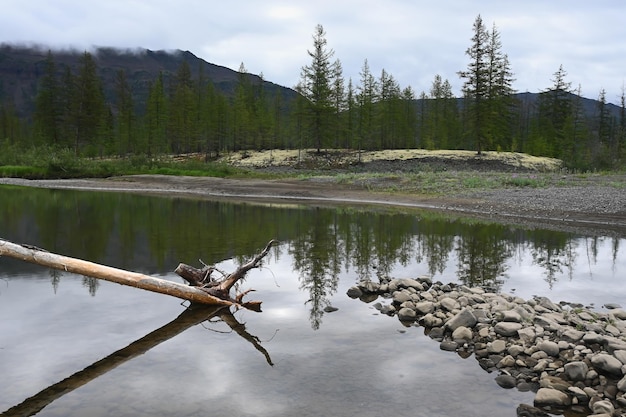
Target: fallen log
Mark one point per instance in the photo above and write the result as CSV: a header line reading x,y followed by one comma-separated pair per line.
x,y
218,293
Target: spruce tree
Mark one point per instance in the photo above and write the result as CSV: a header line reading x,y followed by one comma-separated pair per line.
x,y
316,80
47,116
476,85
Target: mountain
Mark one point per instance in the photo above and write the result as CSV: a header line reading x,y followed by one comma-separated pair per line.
x,y
22,67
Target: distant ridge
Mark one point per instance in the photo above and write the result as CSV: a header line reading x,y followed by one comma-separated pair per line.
x,y
21,68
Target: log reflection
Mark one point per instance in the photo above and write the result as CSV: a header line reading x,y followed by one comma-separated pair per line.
x,y
190,317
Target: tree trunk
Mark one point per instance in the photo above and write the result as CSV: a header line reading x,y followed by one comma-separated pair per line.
x,y
215,293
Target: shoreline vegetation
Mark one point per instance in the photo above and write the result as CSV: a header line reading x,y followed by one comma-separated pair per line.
x,y
505,186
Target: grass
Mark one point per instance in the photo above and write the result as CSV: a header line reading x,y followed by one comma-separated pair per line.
x,y
49,163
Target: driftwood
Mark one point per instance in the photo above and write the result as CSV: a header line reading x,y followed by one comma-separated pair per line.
x,y
189,318
203,289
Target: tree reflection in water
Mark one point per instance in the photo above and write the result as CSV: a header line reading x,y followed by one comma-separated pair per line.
x,y
157,232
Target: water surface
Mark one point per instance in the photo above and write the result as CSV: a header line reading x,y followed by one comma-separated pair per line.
x,y
345,363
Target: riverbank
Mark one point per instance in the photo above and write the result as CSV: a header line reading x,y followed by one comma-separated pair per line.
x,y
592,203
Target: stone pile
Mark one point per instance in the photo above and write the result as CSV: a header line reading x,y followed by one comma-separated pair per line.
x,y
572,357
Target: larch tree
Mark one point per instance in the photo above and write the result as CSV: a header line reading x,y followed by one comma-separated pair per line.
x,y
555,109
47,116
316,80
125,114
476,85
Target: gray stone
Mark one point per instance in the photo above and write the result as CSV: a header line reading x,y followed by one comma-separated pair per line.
x,y
551,397
619,314
551,348
612,306
449,304
515,350
430,320
411,283
525,410
572,335
576,371
620,355
580,395
424,307
401,296
497,346
607,363
507,329
464,318
603,407
509,315
546,303
407,314
506,381
507,362
592,337
621,384
527,335
354,292
448,345
462,333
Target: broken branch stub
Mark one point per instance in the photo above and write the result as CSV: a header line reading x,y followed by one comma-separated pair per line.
x,y
201,278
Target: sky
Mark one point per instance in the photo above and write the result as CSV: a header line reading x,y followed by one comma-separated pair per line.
x,y
413,40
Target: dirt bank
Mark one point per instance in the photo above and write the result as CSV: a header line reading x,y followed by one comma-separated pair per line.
x,y
590,207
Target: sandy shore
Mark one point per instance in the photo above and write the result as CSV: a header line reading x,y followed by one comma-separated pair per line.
x,y
597,210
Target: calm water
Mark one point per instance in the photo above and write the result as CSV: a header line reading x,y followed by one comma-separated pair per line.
x,y
126,352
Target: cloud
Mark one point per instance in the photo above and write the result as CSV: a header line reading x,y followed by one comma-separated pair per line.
x,y
413,41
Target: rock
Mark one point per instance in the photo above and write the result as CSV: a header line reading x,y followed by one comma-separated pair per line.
x,y
462,333
524,410
607,363
449,304
506,381
612,306
430,320
509,315
603,407
619,314
554,382
620,355
576,371
407,314
551,397
354,292
549,347
410,283
330,309
507,362
546,303
592,337
436,333
448,345
497,346
465,318
527,335
579,394
424,307
401,296
507,329
572,335
621,385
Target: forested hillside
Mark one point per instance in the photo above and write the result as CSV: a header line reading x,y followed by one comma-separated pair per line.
x,y
120,103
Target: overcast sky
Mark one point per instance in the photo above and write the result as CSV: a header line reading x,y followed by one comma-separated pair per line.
x,y
411,40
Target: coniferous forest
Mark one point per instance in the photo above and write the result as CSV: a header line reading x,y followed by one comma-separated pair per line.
x,y
104,112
